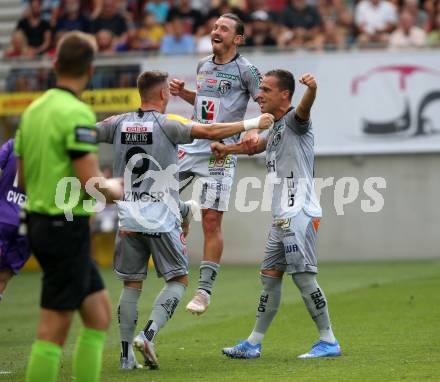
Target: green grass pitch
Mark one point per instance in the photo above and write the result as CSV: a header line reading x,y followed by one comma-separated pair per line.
x,y
385,315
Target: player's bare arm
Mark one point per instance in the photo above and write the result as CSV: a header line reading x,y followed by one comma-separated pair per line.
x,y
220,150
86,167
177,88
303,109
217,131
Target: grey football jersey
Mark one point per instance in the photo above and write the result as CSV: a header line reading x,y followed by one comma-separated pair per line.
x,y
145,155
223,93
290,163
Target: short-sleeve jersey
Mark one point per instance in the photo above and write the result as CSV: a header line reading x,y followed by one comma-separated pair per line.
x,y
222,95
55,129
11,197
145,154
290,163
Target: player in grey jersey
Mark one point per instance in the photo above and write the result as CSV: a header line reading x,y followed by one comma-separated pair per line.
x,y
225,82
290,246
145,145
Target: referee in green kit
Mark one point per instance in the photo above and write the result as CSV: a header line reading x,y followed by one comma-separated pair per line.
x,y
57,139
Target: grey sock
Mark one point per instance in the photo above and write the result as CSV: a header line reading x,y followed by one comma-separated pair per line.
x,y
316,303
127,316
208,273
163,308
267,308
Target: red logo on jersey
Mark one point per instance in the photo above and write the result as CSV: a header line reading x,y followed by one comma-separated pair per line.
x,y
208,109
181,153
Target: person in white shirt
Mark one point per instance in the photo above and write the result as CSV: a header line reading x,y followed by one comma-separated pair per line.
x,y
375,19
407,35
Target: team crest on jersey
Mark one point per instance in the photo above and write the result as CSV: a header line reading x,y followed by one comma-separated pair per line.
x,y
276,138
207,109
224,86
181,154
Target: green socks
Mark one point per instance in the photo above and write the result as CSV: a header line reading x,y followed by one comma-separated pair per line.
x,y
88,355
44,362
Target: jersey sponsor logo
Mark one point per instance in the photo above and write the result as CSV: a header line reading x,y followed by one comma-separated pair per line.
x,y
211,81
207,109
84,134
227,76
256,74
290,183
270,165
291,248
134,196
137,133
16,197
276,139
224,86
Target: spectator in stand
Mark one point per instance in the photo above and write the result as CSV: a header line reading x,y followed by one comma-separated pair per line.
x,y
18,46
192,19
375,20
334,36
50,10
407,35
419,15
132,43
337,23
105,41
273,8
36,30
260,32
112,20
433,38
204,44
151,32
177,41
159,9
72,19
432,8
225,7
303,26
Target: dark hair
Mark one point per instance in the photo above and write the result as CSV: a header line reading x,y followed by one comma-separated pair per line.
x,y
148,80
286,81
75,53
239,25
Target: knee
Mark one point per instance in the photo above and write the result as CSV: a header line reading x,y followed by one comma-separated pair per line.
x,y
181,279
271,281
212,222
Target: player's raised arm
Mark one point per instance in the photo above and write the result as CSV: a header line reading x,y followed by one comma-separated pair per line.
x,y
306,103
220,150
177,88
217,131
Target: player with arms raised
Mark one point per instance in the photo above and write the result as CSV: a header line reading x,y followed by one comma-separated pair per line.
x,y
290,247
225,82
145,142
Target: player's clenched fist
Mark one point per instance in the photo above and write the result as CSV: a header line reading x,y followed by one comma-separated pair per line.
x,y
266,121
176,86
308,80
219,150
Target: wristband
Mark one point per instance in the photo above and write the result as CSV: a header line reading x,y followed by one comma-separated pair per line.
x,y
252,123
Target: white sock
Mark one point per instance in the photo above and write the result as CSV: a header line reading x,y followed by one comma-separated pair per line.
x,y
255,338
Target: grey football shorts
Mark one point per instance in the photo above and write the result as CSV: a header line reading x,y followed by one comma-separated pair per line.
x,y
133,251
291,245
216,177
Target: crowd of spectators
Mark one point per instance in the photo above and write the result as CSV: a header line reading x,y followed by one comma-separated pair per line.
x,y
183,26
